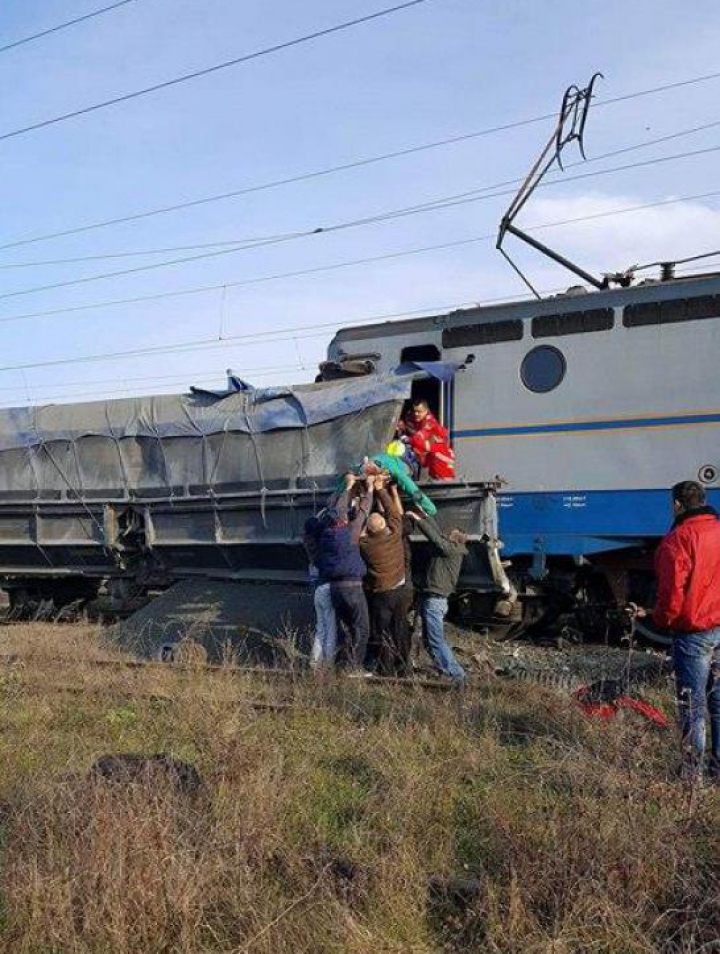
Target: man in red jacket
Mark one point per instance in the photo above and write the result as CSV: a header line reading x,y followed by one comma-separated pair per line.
x,y
429,440
687,564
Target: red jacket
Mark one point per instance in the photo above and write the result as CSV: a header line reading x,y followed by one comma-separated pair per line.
x,y
687,564
423,436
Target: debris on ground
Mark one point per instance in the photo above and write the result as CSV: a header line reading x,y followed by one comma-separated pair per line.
x,y
252,623
565,668
129,768
603,700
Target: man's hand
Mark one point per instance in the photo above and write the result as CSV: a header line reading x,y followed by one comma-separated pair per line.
x,y
636,612
350,480
381,481
415,516
371,480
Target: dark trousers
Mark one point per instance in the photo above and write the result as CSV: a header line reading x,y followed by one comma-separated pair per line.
x,y
390,632
351,611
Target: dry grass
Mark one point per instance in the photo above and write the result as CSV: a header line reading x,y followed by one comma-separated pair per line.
x,y
324,813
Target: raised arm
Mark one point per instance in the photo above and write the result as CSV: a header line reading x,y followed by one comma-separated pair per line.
x,y
364,507
432,533
393,513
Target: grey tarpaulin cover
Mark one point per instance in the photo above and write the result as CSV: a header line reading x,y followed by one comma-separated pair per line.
x,y
179,444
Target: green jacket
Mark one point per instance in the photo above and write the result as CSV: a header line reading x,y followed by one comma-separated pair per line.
x,y
400,471
445,564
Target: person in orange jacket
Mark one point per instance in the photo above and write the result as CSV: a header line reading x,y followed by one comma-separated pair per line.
x,y
429,441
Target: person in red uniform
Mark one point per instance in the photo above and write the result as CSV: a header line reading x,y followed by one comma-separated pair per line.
x,y
687,566
429,441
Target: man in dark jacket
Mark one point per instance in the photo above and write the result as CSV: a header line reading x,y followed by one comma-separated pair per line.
x,y
687,564
442,574
339,563
383,551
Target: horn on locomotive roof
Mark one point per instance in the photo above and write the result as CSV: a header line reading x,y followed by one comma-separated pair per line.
x,y
570,127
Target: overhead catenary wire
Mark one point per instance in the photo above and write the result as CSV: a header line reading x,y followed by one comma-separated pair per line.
x,y
64,26
254,242
329,170
214,342
215,68
388,256
446,202
190,379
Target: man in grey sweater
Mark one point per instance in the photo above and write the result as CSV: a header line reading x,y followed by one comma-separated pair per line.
x,y
441,577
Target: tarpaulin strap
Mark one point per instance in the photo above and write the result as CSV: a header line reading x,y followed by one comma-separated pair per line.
x,y
118,447
258,461
156,432
63,476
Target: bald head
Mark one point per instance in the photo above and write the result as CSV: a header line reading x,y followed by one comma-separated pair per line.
x,y
376,523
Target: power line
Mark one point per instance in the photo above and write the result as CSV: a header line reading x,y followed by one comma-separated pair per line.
x,y
273,184
358,163
210,343
253,242
666,87
200,289
299,332
323,268
435,205
236,61
194,382
64,26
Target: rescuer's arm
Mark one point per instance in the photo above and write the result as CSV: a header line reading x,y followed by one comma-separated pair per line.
x,y
392,514
432,533
364,507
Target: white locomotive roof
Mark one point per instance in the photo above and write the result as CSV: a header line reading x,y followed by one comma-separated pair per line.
x,y
575,299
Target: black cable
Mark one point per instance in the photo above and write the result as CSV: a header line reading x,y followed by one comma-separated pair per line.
x,y
447,202
200,289
253,242
678,84
273,184
64,26
676,261
236,61
209,343
302,177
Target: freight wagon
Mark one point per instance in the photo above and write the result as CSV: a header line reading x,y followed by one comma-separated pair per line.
x,y
135,494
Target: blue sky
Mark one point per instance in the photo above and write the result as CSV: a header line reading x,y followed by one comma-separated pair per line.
x,y
443,68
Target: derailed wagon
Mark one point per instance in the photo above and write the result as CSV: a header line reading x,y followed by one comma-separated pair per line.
x,y
135,494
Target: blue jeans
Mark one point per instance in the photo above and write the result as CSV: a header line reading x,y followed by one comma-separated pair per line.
x,y
325,641
432,614
697,661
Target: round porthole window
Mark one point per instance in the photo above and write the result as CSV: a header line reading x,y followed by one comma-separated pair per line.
x,y
543,369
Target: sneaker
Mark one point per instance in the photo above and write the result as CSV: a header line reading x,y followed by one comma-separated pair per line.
x,y
359,674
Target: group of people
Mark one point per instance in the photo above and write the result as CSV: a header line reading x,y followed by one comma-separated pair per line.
x,y
361,563
360,558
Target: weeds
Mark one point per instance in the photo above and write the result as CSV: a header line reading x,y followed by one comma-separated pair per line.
x,y
322,826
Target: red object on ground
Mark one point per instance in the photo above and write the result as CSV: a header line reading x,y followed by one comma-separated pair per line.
x,y
687,564
606,709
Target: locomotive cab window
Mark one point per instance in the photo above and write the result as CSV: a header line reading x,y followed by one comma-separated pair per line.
x,y
424,389
543,369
